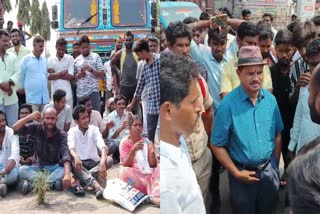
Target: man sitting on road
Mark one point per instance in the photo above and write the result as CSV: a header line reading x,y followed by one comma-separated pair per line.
x,y
51,151
9,156
84,140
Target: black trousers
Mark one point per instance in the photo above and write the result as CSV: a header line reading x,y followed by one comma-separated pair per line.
x,y
152,121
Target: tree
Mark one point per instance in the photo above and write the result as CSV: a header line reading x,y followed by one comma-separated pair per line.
x,y
45,22
7,6
23,12
35,18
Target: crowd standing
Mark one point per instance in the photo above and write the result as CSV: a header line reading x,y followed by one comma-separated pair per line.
x,y
239,96
52,118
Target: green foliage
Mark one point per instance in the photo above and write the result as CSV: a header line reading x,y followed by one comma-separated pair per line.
x,y
35,18
45,23
23,12
40,186
7,6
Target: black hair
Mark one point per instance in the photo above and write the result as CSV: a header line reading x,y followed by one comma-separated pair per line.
x,y
316,20
176,74
292,25
37,40
4,32
265,31
313,49
84,39
61,42
225,10
245,12
304,180
177,30
119,97
189,20
10,22
219,35
83,100
204,16
303,32
141,45
77,110
13,30
2,113
268,14
58,95
247,29
152,39
129,33
76,43
27,106
283,37
134,118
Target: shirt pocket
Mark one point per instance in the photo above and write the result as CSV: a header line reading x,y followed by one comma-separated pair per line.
x,y
266,129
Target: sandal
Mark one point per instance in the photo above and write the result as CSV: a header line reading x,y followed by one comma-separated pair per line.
x,y
77,190
99,193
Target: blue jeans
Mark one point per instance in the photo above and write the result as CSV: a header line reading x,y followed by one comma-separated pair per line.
x,y
96,101
257,198
11,112
29,173
11,177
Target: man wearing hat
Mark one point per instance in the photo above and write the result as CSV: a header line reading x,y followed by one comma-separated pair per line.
x,y
23,34
246,138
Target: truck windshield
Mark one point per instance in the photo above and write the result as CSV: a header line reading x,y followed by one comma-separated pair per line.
x,y
76,12
172,14
128,13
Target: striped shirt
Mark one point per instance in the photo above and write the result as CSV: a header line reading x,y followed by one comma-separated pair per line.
x,y
150,78
297,68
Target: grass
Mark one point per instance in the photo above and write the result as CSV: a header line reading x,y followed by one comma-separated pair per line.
x,y
40,186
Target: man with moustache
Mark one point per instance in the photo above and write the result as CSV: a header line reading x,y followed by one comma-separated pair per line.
x,y
124,69
9,80
20,51
34,76
281,86
9,156
51,151
88,71
246,138
118,46
180,109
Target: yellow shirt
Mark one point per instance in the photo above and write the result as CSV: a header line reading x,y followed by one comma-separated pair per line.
x,y
230,79
23,51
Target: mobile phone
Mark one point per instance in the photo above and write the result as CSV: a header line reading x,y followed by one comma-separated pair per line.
x,y
220,20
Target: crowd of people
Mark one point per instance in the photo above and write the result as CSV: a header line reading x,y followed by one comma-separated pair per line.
x,y
234,97
53,118
237,96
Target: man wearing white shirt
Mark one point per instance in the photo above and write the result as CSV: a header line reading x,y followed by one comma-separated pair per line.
x,y
119,118
61,70
84,140
180,109
9,156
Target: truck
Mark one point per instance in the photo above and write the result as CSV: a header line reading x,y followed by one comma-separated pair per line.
x,y
171,11
103,21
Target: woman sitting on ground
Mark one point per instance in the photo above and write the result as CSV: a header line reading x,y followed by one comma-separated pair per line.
x,y
137,159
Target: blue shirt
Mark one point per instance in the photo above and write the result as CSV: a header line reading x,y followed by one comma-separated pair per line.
x,y
34,76
214,69
247,131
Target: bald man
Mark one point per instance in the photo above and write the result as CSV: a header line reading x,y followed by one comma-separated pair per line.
x,y
51,152
314,95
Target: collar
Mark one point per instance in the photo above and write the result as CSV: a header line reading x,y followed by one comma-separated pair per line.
x,y
244,96
33,56
171,152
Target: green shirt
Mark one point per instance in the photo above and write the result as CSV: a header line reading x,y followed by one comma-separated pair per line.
x,y
9,70
23,51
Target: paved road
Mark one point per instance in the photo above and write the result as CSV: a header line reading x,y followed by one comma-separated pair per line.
x,y
66,202
224,194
